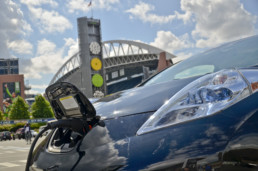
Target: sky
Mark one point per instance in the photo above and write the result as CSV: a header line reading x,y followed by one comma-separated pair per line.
x,y
43,33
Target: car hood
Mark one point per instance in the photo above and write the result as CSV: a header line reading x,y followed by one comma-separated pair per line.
x,y
138,100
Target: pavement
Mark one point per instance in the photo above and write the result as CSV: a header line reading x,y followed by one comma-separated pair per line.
x,y
13,154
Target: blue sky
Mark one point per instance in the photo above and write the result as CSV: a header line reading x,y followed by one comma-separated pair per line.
x,y
43,33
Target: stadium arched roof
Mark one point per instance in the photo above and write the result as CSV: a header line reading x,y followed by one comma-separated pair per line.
x,y
115,53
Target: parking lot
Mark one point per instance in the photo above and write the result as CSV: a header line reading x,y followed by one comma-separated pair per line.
x,y
13,154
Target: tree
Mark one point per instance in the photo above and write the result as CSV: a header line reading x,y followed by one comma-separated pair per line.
x,y
20,109
41,108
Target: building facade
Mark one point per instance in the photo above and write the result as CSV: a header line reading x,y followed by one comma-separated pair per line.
x,y
11,82
9,66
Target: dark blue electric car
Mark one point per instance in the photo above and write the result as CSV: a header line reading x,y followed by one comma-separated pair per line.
x,y
200,114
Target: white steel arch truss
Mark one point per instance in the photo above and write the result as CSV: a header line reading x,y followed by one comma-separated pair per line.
x,y
115,48
71,64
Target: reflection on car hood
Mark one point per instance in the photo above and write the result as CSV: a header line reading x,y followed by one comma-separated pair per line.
x,y
139,99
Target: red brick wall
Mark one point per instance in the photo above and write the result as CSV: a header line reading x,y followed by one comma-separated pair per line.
x,y
11,78
163,62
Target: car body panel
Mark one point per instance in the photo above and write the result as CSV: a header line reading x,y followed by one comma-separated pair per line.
x,y
140,98
104,148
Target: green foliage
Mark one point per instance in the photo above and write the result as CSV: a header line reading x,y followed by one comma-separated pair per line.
x,y
41,108
20,109
37,125
5,127
14,127
19,125
1,115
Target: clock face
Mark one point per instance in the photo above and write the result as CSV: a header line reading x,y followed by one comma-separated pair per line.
x,y
94,48
98,94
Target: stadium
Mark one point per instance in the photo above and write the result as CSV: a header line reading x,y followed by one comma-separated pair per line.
x,y
102,68
126,64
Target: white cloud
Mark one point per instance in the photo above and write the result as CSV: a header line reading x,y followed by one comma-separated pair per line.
x,y
27,27
143,11
72,45
34,92
49,21
36,89
45,47
41,86
21,46
75,5
83,5
48,60
185,17
12,26
217,21
39,2
168,41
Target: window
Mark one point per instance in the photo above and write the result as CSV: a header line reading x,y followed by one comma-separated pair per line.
x,y
15,62
3,63
195,71
122,72
237,54
14,71
3,71
115,74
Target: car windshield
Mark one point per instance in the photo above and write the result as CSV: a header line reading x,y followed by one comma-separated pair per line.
x,y
237,54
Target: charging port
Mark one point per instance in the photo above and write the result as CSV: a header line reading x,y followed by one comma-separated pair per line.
x,y
63,140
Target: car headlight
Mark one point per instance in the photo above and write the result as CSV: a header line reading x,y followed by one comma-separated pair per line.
x,y
203,97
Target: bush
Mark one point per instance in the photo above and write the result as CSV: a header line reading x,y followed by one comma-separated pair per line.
x,y
17,126
20,109
5,127
14,127
41,108
37,125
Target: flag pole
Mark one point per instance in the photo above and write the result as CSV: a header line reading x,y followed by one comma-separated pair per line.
x,y
90,5
91,12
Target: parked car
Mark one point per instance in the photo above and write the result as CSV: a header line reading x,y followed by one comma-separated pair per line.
x,y
20,133
5,135
33,133
200,114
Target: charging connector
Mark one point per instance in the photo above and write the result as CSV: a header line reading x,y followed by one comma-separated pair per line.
x,y
77,125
